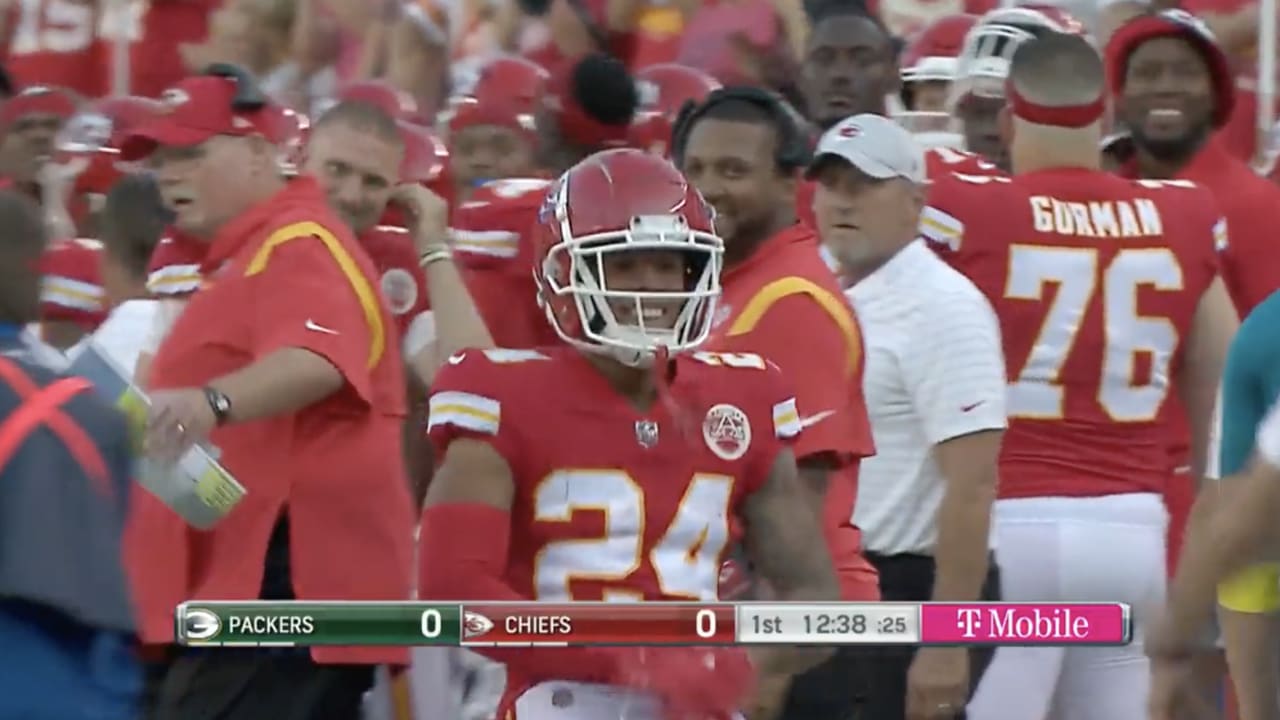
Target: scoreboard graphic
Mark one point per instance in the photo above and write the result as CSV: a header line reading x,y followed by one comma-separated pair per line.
x,y
481,624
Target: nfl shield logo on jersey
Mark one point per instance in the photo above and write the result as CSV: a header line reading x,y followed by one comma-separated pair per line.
x,y
727,432
646,433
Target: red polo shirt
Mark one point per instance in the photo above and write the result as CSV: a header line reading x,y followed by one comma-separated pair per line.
x,y
289,274
783,303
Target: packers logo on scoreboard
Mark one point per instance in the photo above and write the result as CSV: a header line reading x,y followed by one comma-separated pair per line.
x,y
200,625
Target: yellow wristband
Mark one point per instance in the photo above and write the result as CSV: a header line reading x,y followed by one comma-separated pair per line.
x,y
1253,590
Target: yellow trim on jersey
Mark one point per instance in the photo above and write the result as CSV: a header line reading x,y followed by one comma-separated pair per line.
x,y
786,419
941,227
465,410
1253,590
370,303
71,293
836,307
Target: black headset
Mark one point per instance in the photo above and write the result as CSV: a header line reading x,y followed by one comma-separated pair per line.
x,y
249,97
793,142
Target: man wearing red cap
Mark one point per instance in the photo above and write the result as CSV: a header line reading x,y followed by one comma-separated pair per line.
x,y
286,361
1173,88
588,106
1136,310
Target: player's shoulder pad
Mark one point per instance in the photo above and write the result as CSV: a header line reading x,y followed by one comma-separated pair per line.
x,y
87,244
983,179
1166,184
770,381
469,388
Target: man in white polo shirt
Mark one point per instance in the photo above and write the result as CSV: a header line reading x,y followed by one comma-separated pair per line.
x,y
934,385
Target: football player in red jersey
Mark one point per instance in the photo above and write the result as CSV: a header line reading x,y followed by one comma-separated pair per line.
x,y
54,42
690,450
81,169
587,106
493,126
1137,309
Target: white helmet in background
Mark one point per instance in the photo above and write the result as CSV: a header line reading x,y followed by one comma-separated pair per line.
x,y
929,61
983,64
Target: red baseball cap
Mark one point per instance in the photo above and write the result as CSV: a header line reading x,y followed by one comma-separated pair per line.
x,y
198,108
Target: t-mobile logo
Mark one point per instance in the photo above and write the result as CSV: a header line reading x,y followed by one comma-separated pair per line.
x,y
970,622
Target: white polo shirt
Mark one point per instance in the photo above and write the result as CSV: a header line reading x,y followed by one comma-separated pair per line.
x,y
934,371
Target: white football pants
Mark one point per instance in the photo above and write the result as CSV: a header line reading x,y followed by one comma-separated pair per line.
x,y
1093,549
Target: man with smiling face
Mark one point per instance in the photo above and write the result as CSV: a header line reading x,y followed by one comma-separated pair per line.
x,y
1173,89
742,149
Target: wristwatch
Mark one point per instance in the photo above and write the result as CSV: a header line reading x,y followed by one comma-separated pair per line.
x,y
219,403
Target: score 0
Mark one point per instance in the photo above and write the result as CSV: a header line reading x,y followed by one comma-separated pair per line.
x,y
432,624
714,624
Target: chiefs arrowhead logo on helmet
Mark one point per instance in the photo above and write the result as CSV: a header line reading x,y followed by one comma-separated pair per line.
x,y
474,624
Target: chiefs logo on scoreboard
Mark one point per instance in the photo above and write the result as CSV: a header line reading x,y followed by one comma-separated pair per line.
x,y
475,624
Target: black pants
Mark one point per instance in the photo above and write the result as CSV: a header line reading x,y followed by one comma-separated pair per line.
x,y
870,683
253,684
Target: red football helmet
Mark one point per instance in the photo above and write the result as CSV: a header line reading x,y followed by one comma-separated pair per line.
x,y
381,94
983,64
426,159
513,79
931,57
663,90
619,201
288,130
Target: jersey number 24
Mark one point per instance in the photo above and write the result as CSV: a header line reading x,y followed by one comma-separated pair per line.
x,y
1037,392
685,560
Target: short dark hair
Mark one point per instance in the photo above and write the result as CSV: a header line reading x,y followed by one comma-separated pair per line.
x,y
132,222
363,115
722,105
23,238
820,10
1057,69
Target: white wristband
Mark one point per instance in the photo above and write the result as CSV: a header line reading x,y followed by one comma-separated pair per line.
x,y
1269,436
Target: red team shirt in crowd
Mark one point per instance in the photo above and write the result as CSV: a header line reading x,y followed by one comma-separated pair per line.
x,y
288,274
1067,249
494,252
783,286
70,43
71,287
1247,201
614,503
401,281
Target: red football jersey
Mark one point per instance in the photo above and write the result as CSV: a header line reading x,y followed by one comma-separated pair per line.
x,y
940,161
493,249
174,269
613,503
54,42
403,284
1095,279
71,290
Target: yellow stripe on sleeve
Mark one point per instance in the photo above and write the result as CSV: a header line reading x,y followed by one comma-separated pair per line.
x,y
370,304
836,307
465,410
786,419
1253,590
